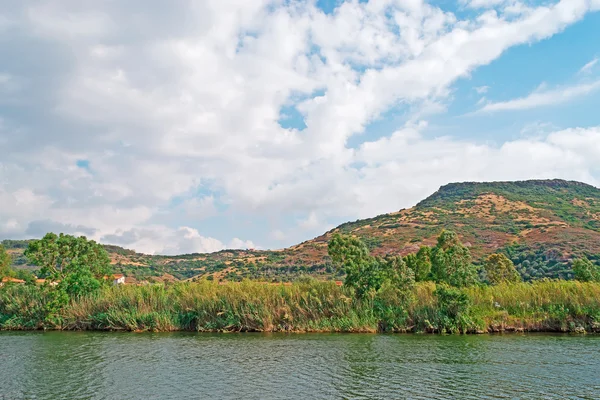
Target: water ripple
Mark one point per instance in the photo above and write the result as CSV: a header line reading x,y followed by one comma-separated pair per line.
x,y
59,365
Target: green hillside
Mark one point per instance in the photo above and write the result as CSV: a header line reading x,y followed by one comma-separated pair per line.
x,y
540,224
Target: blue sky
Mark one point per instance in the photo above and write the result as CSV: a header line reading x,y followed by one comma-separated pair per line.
x,y
191,129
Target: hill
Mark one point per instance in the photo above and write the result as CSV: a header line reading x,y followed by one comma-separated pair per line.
x,y
540,224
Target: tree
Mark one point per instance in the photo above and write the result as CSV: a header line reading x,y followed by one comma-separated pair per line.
x,y
451,261
5,262
352,255
500,268
585,270
77,264
420,263
397,272
345,250
364,272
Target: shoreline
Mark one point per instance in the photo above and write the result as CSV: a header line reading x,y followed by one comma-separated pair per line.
x,y
507,331
490,332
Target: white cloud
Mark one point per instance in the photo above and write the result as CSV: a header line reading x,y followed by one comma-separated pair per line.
x,y
484,3
544,97
482,89
278,235
236,243
587,68
311,222
176,110
162,240
414,166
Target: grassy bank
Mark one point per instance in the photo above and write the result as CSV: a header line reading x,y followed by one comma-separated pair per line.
x,y
311,306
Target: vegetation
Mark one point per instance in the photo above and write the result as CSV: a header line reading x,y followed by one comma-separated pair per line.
x,y
448,262
366,274
73,267
451,261
505,259
499,269
585,271
5,262
379,295
310,305
420,263
541,226
77,265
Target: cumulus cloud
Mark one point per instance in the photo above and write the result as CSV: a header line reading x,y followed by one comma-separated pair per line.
x,y
162,240
39,228
176,109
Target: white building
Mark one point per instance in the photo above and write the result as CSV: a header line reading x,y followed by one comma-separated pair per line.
x,y
118,279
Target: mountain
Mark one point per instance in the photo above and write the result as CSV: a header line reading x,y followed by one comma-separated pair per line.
x,y
540,224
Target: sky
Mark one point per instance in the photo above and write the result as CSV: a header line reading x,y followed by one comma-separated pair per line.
x,y
194,126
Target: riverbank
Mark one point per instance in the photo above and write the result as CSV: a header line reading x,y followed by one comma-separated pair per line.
x,y
311,306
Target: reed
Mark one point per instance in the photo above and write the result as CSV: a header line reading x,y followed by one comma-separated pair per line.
x,y
311,306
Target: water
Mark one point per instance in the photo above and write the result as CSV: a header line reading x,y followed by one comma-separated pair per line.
x,y
59,365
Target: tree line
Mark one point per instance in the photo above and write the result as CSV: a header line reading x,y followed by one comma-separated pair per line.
x,y
448,263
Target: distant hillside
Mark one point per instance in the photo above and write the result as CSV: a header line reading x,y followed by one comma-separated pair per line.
x,y
540,224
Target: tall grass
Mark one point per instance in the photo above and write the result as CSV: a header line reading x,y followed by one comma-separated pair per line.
x,y
312,306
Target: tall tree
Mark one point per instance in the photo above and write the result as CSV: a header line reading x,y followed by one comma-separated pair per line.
x,y
364,272
586,271
420,263
5,262
397,272
500,268
78,264
451,261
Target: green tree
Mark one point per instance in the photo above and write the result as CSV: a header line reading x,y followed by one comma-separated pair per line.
x,y
500,268
397,272
5,262
585,270
365,273
78,264
454,309
346,250
420,263
451,261
352,255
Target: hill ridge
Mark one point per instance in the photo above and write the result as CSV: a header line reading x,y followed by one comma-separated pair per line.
x,y
540,224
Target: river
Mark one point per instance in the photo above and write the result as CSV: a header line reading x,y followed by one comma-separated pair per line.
x,y
92,365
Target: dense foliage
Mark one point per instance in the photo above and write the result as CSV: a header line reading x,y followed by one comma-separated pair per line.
x,y
73,267
379,294
366,274
5,263
420,263
312,306
499,269
451,261
586,271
